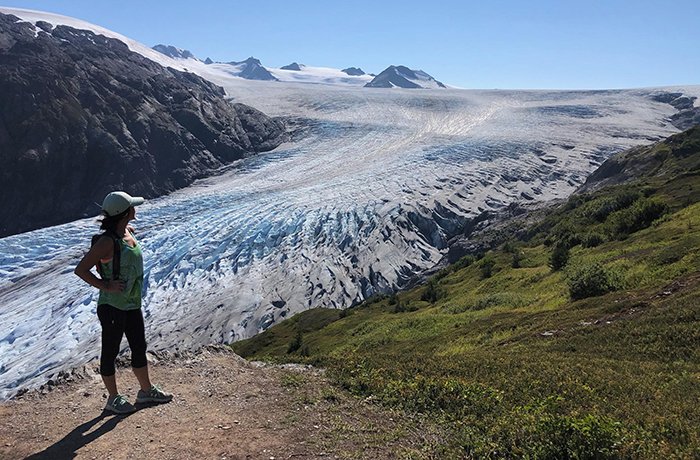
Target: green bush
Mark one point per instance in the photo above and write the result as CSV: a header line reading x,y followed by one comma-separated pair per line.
x,y
432,292
669,255
515,261
589,280
559,257
486,267
592,240
464,262
637,217
296,343
600,209
588,437
575,201
401,308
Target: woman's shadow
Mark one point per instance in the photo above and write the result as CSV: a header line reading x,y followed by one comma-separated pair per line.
x,y
67,447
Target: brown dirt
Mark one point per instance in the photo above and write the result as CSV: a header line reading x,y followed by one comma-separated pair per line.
x,y
224,408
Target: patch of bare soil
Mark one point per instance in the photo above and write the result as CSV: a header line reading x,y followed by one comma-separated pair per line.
x,y
224,408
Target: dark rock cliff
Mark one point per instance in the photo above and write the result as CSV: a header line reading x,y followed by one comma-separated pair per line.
x,y
80,115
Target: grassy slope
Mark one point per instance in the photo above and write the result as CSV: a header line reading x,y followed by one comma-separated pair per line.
x,y
509,363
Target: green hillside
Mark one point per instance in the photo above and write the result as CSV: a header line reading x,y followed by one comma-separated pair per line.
x,y
577,338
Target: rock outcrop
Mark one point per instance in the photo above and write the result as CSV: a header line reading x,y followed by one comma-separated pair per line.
x,y
80,115
252,69
354,71
403,77
675,156
173,52
688,115
292,66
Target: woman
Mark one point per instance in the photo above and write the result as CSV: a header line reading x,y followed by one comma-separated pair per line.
x,y
119,303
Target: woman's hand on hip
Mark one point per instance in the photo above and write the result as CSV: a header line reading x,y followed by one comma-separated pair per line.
x,y
114,286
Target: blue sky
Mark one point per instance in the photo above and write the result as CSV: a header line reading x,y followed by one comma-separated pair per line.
x,y
485,44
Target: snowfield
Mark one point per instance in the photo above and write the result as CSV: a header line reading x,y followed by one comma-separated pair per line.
x,y
364,197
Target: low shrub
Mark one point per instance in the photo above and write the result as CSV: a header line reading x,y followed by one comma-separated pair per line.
x,y
591,240
402,308
515,261
464,262
296,343
432,292
544,435
559,257
590,280
637,217
600,209
486,267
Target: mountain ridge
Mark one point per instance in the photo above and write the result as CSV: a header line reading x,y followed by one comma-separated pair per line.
x,y
80,109
174,52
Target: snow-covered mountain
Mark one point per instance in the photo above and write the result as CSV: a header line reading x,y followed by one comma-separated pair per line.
x,y
354,71
403,77
319,75
366,195
292,66
251,69
174,52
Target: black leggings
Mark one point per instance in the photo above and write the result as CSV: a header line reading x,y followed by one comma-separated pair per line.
x,y
115,323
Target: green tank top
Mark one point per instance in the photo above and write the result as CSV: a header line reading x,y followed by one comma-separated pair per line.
x,y
131,272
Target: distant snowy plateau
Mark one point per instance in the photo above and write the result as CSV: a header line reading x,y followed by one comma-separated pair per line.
x,y
363,198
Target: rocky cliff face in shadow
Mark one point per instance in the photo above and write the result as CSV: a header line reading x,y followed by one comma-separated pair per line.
x,y
80,115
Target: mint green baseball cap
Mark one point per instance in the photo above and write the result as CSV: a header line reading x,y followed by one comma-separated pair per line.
x,y
117,202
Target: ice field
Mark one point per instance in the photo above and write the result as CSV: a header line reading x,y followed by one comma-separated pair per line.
x,y
363,197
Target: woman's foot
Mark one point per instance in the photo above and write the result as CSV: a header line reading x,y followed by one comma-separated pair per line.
x,y
119,405
154,395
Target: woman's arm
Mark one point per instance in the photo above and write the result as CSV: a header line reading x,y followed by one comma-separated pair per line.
x,y
103,249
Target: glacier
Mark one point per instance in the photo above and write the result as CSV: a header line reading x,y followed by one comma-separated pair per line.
x,y
364,197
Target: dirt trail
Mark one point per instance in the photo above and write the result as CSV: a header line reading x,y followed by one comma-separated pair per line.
x,y
224,408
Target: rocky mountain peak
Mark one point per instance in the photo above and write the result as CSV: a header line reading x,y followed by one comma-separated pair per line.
x,y
292,66
402,77
252,69
174,52
353,71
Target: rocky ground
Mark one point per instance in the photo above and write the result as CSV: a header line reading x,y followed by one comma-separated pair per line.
x,y
224,408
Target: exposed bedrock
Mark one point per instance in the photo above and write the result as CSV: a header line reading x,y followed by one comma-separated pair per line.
x,y
80,115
